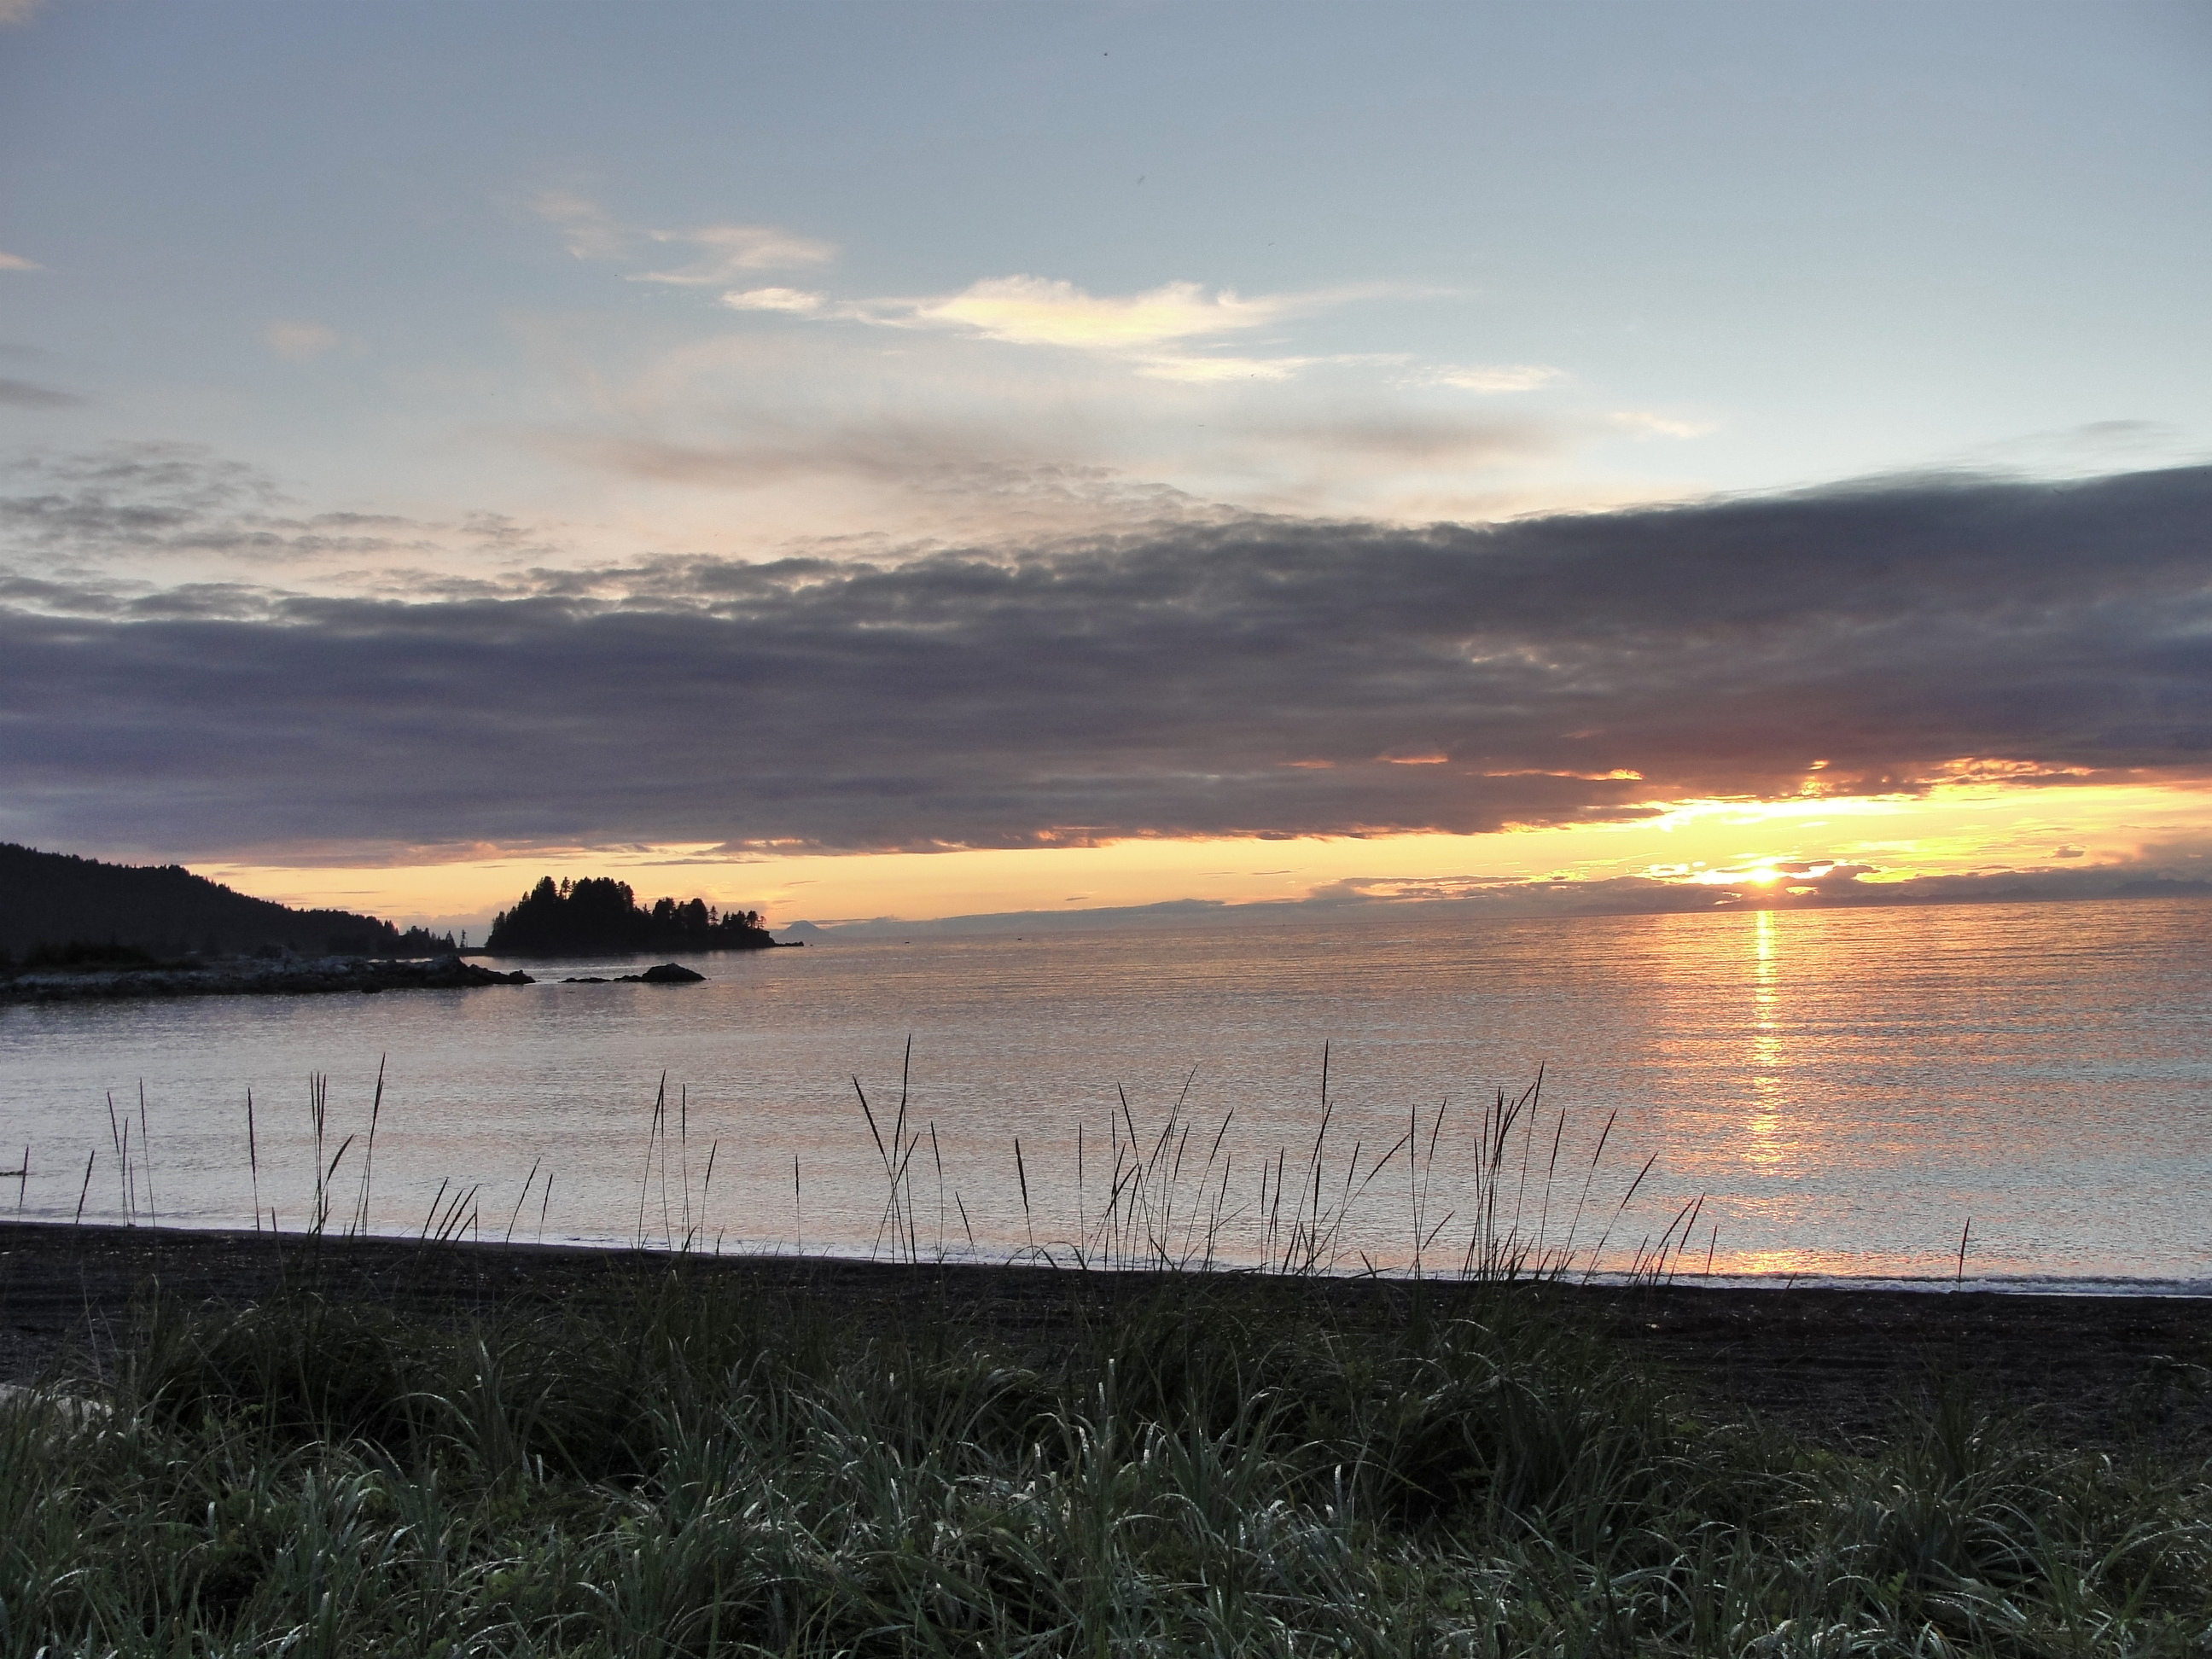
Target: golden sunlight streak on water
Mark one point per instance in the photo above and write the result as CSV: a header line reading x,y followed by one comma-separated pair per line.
x,y
1765,1145
1773,1263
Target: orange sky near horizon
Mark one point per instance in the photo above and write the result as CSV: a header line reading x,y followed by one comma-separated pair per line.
x,y
1961,829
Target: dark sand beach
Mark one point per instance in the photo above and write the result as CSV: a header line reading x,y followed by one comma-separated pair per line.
x,y
1832,1365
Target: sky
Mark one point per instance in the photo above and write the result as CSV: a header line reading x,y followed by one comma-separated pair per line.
x,y
1108,462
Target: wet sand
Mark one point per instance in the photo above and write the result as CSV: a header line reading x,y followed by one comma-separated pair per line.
x,y
1837,1366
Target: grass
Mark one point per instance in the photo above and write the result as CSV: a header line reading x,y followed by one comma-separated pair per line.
x,y
1179,1464
1485,1201
1498,1191
1159,1206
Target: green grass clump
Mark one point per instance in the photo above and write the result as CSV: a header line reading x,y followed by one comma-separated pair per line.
x,y
1204,1466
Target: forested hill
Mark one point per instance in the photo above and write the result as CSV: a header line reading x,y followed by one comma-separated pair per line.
x,y
52,902
599,915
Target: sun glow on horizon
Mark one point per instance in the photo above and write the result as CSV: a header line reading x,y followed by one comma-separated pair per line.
x,y
1775,848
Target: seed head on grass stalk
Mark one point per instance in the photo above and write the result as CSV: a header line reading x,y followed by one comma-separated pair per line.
x,y
323,1184
890,1175
253,1159
432,1214
145,1151
520,1197
937,1159
683,1151
117,1136
1022,1174
707,1187
1618,1210
1589,1174
651,1136
318,1094
369,1155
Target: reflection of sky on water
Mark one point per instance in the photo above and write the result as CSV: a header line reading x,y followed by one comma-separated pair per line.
x,y
1842,1088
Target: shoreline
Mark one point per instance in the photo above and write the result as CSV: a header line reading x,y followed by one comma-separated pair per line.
x,y
285,977
1835,1363
292,976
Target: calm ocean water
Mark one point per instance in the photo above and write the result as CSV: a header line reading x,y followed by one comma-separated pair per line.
x,y
1844,1091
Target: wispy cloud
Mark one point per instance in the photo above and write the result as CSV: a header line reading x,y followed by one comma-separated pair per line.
x,y
585,228
1644,423
1161,333
1209,371
1152,331
726,252
22,394
721,252
153,508
1491,378
1413,440
797,301
16,261
17,11
298,342
1045,311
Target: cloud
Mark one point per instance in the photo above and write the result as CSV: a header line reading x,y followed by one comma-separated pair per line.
x,y
1043,310
1178,680
796,301
156,504
729,252
1208,371
725,252
1498,377
16,261
585,226
126,496
297,342
1643,423
1145,329
21,394
1416,441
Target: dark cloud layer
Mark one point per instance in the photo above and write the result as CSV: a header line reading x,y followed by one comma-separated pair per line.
x,y
1268,677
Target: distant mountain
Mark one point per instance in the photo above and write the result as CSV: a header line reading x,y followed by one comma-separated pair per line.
x,y
56,907
599,915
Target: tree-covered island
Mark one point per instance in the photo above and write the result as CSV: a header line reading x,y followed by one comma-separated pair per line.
x,y
599,915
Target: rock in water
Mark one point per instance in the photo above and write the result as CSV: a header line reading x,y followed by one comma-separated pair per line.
x,y
670,973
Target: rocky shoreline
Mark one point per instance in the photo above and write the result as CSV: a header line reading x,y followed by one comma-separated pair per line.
x,y
280,976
